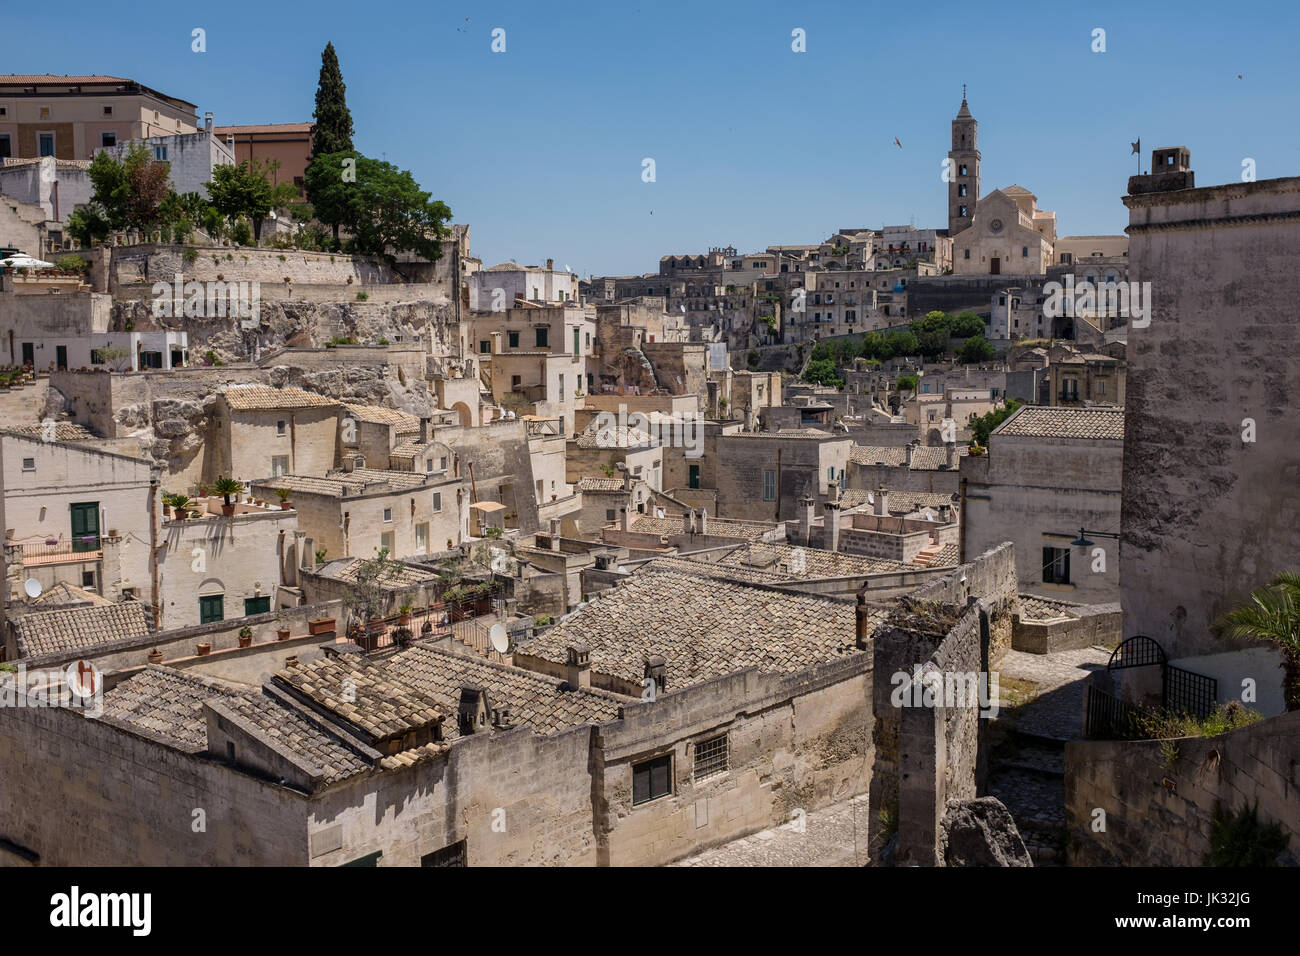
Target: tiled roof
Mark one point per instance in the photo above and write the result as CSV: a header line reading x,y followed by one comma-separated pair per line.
x,y
264,128
709,569
48,632
65,595
946,558
600,484
63,431
1034,608
722,527
363,694
703,627
345,484
407,449
533,699
266,398
399,574
625,437
800,433
11,79
166,705
924,458
281,726
803,563
900,502
1044,421
378,415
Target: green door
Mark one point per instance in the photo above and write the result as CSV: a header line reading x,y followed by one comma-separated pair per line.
x,y
695,476
85,526
212,608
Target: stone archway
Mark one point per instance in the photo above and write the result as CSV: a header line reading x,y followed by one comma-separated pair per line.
x,y
466,416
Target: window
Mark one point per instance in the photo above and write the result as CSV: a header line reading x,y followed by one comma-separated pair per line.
x,y
710,757
107,139
609,514
453,855
257,605
45,112
212,607
962,211
652,779
6,148
442,463
1056,566
769,485
1024,252
388,515
961,189
279,465
561,388
29,464
46,144
965,253
484,347
1066,258
108,111
543,337
422,538
961,169
370,859
1101,389
512,338
160,153
386,542
437,501
428,465
87,579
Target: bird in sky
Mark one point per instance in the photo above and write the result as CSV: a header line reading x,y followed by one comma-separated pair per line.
x,y
897,143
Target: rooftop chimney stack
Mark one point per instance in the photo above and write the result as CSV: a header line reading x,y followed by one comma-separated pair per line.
x,y
207,122
550,265
863,638
950,453
882,502
555,534
688,521
578,667
656,668
831,536
807,508
704,521
426,429
471,715
911,450
625,518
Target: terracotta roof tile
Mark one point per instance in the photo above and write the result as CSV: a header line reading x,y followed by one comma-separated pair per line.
x,y
48,632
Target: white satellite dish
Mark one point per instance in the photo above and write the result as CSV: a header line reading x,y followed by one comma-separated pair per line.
x,y
33,588
498,638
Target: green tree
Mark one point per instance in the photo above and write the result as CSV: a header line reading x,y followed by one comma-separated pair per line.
x,y
1271,614
390,211
906,383
87,224
823,372
975,349
111,192
965,324
331,188
983,426
333,132
243,191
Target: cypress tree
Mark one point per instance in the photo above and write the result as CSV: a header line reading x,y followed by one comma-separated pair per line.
x,y
333,119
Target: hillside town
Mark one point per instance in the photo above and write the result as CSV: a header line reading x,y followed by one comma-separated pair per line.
x,y
328,543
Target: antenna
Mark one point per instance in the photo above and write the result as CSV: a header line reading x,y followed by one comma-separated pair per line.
x,y
499,639
33,588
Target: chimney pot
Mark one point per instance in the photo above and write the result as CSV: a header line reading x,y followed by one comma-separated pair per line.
x,y
656,668
578,666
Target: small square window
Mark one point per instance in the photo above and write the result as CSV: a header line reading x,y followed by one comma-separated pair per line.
x,y
652,779
29,464
281,427
108,111
609,514
107,139
710,757
437,501
388,514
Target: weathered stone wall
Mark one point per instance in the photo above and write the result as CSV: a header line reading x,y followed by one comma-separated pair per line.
x,y
79,792
1096,624
1208,515
1158,812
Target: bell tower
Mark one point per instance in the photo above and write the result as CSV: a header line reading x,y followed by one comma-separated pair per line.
x,y
964,174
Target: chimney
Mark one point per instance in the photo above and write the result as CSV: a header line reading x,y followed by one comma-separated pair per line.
x,y
863,638
950,452
625,517
911,450
656,668
807,508
501,718
207,122
945,513
578,667
831,536
471,716
426,429
555,534
307,556
688,521
882,501
291,661
550,265
704,521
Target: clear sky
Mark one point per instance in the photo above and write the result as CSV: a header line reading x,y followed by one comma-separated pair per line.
x,y
540,148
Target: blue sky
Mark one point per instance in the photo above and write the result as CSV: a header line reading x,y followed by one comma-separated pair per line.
x,y
540,148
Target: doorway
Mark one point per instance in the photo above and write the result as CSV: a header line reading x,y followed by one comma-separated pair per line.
x,y
995,267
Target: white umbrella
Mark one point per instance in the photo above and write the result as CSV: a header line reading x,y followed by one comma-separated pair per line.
x,y
24,261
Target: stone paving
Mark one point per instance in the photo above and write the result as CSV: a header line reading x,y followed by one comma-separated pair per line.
x,y
1056,712
827,840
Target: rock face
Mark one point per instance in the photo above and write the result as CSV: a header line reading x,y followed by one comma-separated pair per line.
x,y
981,832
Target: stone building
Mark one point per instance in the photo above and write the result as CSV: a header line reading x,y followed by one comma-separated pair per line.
x,y
964,174
1048,473
256,431
1010,235
1199,536
762,475
191,157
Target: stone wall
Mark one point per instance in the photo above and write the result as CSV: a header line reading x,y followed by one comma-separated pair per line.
x,y
1095,624
1158,810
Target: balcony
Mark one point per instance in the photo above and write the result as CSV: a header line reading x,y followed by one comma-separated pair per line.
x,y
50,551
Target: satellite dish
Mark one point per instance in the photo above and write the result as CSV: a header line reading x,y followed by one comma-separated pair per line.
x,y
498,638
33,588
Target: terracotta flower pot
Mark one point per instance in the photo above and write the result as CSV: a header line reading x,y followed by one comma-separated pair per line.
x,y
282,633
155,656
203,649
227,510
245,641
285,506
320,626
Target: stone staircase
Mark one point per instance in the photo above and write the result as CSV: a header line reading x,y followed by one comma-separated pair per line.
x,y
927,555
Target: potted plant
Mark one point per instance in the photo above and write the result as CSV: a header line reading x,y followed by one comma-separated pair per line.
x,y
404,615
323,625
282,632
180,505
155,656
203,649
245,636
227,487
403,636
283,495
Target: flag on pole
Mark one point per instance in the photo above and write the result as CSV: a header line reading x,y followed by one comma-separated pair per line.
x,y
1137,147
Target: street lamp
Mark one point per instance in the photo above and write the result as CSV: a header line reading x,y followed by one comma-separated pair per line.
x,y
1083,542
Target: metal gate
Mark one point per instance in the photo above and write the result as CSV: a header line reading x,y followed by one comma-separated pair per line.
x,y
1186,692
